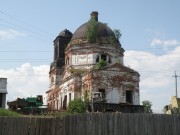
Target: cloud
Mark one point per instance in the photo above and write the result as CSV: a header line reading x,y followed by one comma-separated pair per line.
x,y
26,80
156,33
156,81
10,34
165,43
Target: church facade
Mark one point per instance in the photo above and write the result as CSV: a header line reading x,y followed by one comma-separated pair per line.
x,y
85,69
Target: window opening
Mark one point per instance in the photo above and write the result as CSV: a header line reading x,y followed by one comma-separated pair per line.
x,y
129,96
65,102
103,93
97,59
103,57
109,61
69,96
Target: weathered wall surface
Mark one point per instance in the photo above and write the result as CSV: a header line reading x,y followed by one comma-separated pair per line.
x,y
116,83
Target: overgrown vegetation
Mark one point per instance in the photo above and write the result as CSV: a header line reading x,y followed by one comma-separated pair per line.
x,y
175,110
100,64
115,39
147,106
5,112
91,31
76,106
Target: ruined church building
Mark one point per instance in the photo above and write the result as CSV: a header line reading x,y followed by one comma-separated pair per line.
x,y
74,71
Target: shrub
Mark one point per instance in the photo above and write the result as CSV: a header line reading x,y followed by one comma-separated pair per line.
x,y
76,106
100,64
5,112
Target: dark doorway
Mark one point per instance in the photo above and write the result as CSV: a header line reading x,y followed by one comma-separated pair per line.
x,y
65,103
129,96
103,93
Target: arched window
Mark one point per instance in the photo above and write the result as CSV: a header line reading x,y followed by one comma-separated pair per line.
x,y
97,59
103,57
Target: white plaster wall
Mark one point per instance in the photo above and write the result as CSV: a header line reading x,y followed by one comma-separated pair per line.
x,y
80,59
65,90
114,96
136,100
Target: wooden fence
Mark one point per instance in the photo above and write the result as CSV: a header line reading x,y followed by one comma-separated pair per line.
x,y
93,124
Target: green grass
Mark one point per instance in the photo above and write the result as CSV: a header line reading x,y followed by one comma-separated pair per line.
x,y
5,112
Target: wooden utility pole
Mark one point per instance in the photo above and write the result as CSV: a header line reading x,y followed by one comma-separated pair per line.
x,y
176,76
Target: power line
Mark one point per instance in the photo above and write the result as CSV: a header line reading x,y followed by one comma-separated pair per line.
x,y
19,20
34,34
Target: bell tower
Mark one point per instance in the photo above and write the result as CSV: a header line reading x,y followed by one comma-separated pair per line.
x,y
60,44
57,67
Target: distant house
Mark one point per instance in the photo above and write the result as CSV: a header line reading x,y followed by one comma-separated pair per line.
x,y
3,92
174,106
91,69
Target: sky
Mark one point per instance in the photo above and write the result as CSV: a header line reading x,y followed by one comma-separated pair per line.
x,y
150,37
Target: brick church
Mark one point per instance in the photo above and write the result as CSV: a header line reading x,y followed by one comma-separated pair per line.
x,y
75,71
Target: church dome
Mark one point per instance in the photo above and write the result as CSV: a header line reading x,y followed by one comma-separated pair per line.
x,y
102,31
65,33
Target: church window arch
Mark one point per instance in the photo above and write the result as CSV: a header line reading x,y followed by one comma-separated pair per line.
x,y
104,57
97,59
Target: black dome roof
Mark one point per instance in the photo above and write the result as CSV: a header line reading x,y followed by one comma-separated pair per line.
x,y
103,31
65,33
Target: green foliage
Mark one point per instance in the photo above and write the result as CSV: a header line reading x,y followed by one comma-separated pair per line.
x,y
76,106
91,31
101,64
117,34
175,110
115,39
147,106
5,112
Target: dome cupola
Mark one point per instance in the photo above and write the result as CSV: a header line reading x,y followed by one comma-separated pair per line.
x,y
102,29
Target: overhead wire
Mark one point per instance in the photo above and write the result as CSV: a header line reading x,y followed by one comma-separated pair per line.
x,y
33,35
19,20
44,51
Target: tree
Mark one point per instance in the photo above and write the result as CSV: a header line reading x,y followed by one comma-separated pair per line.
x,y
91,31
117,33
115,38
76,106
147,106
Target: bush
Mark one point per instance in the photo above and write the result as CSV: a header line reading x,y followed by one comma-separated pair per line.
x,y
76,106
100,64
5,112
147,106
